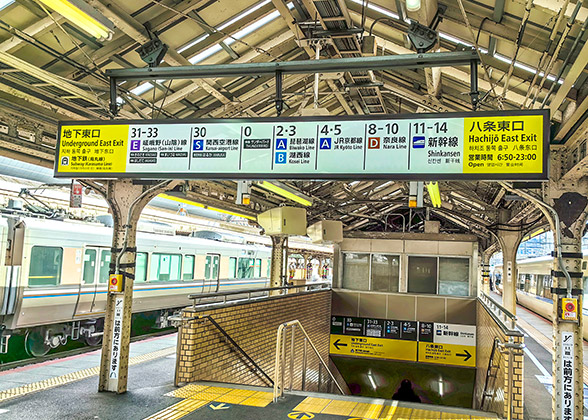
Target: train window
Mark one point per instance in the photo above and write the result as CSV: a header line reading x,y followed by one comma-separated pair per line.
x,y
104,272
454,276
356,268
269,267
245,269
141,267
257,268
89,266
45,267
215,266
422,275
385,273
188,267
165,267
232,267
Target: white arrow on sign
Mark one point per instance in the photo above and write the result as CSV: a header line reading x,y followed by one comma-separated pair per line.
x,y
221,406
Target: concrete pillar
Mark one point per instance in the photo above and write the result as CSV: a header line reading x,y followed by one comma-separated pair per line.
x,y
126,201
277,263
509,242
568,369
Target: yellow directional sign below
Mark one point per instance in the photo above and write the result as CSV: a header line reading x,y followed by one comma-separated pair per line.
x,y
383,348
300,415
447,354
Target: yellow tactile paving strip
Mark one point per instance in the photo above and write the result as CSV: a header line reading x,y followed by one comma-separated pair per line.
x,y
197,396
376,411
45,384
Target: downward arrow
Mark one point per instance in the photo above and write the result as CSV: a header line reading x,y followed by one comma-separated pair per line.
x,y
337,344
467,355
221,406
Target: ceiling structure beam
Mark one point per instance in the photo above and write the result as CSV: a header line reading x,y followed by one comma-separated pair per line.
x,y
334,65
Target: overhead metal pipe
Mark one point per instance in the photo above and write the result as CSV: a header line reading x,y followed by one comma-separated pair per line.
x,y
566,61
436,59
563,37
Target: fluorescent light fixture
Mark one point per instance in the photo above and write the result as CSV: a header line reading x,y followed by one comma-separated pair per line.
x,y
434,194
372,381
413,5
286,192
5,3
195,204
83,16
142,88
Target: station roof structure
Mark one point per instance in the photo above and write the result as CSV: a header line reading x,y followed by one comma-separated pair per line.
x,y
532,56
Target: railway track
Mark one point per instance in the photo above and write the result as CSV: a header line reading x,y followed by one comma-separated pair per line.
x,y
74,352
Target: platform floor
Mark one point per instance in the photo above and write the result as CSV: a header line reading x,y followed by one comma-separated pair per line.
x,y
538,360
67,389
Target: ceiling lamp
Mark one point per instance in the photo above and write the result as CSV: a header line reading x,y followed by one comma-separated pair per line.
x,y
286,192
413,5
83,16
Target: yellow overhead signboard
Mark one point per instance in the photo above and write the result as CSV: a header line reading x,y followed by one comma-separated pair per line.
x,y
447,354
512,144
383,348
99,149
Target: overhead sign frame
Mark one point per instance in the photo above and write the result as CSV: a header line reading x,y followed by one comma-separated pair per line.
x,y
411,143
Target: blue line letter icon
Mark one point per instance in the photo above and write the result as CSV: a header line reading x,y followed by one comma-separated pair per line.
x,y
198,145
325,143
280,157
281,144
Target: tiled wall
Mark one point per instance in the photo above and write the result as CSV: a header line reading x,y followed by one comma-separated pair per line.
x,y
406,307
205,355
488,330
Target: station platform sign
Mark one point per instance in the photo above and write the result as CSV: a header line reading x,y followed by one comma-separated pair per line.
x,y
512,145
413,341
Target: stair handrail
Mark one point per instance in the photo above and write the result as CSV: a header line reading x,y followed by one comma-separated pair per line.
x,y
489,374
278,370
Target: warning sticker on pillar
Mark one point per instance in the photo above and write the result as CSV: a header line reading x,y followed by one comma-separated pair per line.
x,y
116,337
567,375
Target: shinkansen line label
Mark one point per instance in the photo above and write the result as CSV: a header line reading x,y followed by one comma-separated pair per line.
x,y
481,145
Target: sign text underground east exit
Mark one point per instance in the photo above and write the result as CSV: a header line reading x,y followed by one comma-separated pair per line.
x,y
481,145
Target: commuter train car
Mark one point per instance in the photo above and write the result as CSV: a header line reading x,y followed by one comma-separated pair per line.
x,y
54,274
534,283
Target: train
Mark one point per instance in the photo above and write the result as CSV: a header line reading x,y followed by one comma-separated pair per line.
x,y
534,284
54,274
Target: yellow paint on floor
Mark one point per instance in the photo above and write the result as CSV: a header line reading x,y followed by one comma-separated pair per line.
x,y
454,416
367,411
186,391
259,399
396,413
68,378
339,408
419,414
312,405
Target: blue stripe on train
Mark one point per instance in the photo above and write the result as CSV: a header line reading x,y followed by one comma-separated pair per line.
x,y
146,290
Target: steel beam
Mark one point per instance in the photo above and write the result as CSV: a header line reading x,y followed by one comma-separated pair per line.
x,y
437,59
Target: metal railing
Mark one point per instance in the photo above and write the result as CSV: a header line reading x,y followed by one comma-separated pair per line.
x,y
506,321
284,358
244,295
499,312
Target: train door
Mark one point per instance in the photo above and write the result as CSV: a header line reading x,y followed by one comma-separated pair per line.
x,y
88,281
103,273
212,273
